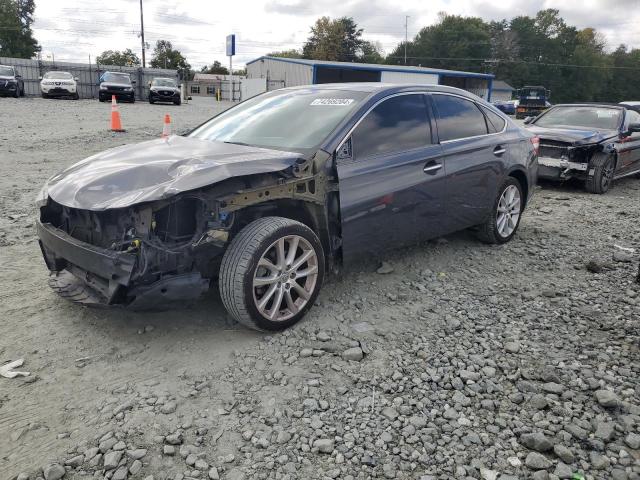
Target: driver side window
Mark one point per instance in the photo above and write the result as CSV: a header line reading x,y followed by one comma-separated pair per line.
x,y
398,124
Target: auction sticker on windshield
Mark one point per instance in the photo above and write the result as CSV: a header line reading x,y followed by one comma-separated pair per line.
x,y
332,101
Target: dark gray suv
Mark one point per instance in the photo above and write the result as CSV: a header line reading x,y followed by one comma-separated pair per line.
x,y
268,196
11,82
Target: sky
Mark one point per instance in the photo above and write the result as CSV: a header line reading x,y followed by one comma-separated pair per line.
x,y
73,30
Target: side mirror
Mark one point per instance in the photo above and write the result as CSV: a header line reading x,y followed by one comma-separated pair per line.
x,y
133,82
76,79
40,77
18,75
634,128
528,120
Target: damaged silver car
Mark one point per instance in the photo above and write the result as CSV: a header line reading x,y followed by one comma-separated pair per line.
x,y
271,194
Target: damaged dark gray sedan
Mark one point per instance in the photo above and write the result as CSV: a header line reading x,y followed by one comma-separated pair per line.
x,y
594,143
275,192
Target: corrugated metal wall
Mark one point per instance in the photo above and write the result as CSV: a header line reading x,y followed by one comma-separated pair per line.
x,y
276,72
87,74
408,77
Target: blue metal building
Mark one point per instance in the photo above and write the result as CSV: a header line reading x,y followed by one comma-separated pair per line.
x,y
290,72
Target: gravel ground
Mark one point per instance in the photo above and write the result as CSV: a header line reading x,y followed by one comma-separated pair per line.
x,y
462,360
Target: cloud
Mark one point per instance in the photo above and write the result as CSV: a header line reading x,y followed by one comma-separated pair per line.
x,y
74,29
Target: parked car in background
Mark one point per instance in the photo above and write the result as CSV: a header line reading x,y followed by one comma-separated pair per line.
x,y
595,143
507,107
265,204
118,84
164,90
59,84
631,103
11,82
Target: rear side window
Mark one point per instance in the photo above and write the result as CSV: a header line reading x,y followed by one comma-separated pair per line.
x,y
458,118
396,125
495,123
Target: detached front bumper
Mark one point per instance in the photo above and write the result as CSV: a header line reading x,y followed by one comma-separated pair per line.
x,y
560,169
96,276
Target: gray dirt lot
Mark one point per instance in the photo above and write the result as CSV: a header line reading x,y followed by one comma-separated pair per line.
x,y
520,360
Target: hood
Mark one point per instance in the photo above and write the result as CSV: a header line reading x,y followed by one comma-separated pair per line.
x,y
159,169
116,84
7,77
576,136
156,88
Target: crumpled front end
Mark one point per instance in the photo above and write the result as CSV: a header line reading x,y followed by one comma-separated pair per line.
x,y
559,160
141,257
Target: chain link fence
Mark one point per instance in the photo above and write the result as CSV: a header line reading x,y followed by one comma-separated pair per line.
x,y
87,75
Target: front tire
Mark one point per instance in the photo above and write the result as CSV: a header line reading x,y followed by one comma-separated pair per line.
x,y
603,167
505,216
271,273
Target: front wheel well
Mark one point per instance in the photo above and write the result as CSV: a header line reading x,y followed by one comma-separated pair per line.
x,y
310,214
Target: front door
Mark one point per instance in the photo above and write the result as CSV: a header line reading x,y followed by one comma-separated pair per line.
x,y
392,179
629,147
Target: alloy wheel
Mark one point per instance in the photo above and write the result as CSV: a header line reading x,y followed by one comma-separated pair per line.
x,y
285,278
508,211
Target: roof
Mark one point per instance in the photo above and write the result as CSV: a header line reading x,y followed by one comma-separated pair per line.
x,y
502,85
374,66
208,76
373,87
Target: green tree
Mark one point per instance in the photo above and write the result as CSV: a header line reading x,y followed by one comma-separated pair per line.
x,y
371,53
125,58
215,68
16,36
454,42
334,40
165,56
293,53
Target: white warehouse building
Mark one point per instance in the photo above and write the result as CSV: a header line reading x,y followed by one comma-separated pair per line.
x,y
290,72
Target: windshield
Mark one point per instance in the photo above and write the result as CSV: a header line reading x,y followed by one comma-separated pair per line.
x,y
116,78
6,71
286,120
62,75
598,118
163,82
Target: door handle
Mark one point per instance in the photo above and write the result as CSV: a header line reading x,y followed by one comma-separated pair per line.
x,y
499,150
431,168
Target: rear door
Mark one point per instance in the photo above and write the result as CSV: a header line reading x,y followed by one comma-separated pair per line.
x,y
474,154
392,180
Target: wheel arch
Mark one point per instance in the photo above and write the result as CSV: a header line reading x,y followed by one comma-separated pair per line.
x,y
311,214
522,179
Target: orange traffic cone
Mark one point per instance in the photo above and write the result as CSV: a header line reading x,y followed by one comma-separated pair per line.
x,y
166,128
116,125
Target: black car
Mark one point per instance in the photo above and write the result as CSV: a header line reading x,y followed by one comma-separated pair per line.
x,y
164,90
595,143
269,195
118,84
11,83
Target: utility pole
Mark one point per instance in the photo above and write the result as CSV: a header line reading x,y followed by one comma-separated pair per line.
x,y
406,36
144,62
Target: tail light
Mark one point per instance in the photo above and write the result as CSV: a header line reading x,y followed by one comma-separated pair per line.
x,y
535,141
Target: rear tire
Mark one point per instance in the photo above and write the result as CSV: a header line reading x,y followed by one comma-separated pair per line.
x,y
177,102
76,96
503,223
259,269
603,167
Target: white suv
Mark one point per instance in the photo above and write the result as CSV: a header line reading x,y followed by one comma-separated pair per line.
x,y
59,84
